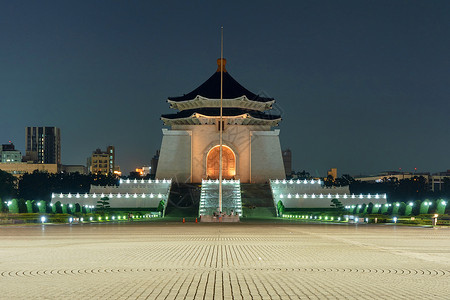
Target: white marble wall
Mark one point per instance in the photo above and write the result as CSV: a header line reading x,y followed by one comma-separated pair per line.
x,y
175,156
185,148
266,157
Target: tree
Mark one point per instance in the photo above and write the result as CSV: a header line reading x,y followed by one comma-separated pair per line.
x,y
303,175
328,181
402,209
134,175
103,203
22,206
280,207
349,179
40,185
3,206
35,186
336,204
344,180
363,209
161,207
7,185
416,208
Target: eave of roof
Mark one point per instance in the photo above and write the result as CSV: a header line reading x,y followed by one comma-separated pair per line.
x,y
226,112
241,102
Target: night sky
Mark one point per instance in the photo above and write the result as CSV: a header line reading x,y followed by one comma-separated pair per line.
x,y
361,85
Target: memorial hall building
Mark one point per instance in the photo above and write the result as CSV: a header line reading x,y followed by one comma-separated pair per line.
x,y
251,144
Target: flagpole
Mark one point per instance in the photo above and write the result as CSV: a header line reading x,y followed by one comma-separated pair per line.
x,y
221,121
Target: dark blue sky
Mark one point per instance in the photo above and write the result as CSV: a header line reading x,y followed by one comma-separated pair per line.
x,y
362,85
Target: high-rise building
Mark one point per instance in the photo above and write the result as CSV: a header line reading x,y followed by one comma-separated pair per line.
x,y
154,163
102,162
43,145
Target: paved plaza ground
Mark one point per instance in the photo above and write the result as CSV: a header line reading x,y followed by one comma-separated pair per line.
x,y
224,261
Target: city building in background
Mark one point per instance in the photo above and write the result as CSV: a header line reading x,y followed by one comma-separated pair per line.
x,y
8,154
74,169
437,180
19,168
102,162
43,145
389,175
43,152
143,171
117,171
287,161
333,173
154,163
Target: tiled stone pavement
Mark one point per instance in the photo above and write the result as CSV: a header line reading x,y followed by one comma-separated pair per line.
x,y
224,261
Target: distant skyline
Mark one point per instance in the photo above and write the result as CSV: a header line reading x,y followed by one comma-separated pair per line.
x,y
362,86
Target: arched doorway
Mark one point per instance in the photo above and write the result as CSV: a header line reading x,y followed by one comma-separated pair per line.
x,y
228,163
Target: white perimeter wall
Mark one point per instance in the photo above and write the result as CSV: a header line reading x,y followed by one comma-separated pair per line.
x,y
298,194
114,201
126,195
326,202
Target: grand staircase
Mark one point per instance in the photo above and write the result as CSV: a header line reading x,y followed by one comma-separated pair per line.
x,y
231,197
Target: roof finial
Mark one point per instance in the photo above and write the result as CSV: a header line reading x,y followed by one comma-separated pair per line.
x,y
224,62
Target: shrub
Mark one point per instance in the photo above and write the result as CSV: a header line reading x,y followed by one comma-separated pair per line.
x,y
57,208
280,207
41,206
14,206
22,206
402,209
416,208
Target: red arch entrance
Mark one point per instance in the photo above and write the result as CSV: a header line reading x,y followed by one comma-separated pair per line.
x,y
228,163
